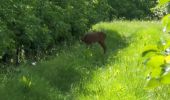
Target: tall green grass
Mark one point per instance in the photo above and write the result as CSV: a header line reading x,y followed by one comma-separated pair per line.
x,y
79,72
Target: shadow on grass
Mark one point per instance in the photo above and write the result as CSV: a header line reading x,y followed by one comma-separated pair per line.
x,y
65,78
115,41
79,64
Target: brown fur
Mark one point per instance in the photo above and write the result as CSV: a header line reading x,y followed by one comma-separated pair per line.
x,y
94,37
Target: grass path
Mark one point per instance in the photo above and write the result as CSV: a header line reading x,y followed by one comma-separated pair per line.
x,y
79,73
123,76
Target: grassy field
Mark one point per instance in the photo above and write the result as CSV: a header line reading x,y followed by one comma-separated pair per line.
x,y
81,73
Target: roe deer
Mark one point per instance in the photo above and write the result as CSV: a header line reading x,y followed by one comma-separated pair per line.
x,y
93,37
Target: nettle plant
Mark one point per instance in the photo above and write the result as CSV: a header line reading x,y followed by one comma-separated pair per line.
x,y
158,57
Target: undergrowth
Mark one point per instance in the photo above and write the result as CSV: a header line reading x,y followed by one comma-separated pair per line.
x,y
79,72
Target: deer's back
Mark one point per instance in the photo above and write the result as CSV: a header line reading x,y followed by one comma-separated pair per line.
x,y
94,37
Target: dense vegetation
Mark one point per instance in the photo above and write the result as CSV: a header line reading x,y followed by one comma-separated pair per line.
x,y
79,73
132,9
42,57
29,30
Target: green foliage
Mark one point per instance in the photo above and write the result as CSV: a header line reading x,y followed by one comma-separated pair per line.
x,y
38,26
81,73
166,22
162,10
122,75
25,81
30,30
158,65
6,42
132,9
19,88
165,79
163,2
152,83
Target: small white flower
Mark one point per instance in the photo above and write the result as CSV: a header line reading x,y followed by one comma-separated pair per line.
x,y
164,29
164,43
167,51
34,63
167,69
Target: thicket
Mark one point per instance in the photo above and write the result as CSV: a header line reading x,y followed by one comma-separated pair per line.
x,y
132,9
31,29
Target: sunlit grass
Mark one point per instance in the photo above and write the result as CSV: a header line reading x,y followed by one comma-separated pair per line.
x,y
124,77
81,73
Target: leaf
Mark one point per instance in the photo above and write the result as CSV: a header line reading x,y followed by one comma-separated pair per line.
x,y
163,2
147,52
24,79
153,83
156,72
150,50
166,22
167,59
165,79
29,83
155,61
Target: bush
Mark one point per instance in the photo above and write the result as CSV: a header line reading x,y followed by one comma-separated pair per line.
x,y
29,30
132,9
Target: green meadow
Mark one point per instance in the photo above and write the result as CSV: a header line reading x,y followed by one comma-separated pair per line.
x,y
79,72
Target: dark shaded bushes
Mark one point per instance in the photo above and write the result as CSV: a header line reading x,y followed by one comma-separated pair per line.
x,y
32,29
